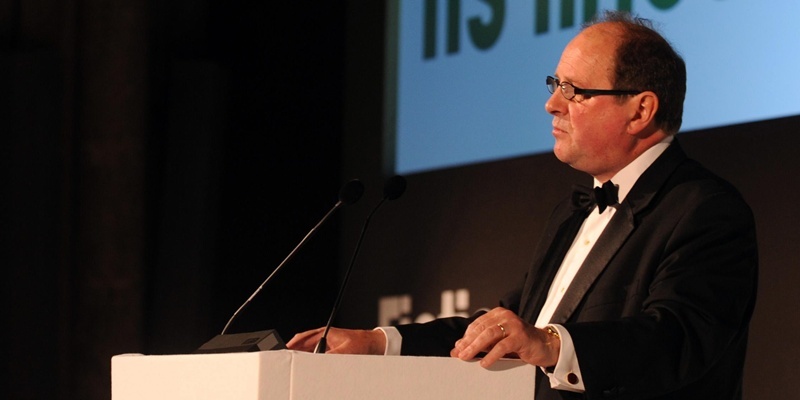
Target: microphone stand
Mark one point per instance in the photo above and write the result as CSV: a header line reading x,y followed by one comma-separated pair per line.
x,y
393,189
349,194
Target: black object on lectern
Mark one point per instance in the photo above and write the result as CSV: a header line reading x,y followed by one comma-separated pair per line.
x,y
243,342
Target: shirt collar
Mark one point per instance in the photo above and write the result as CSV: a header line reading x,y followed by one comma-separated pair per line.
x,y
627,177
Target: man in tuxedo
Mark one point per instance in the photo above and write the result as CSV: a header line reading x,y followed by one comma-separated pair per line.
x,y
642,287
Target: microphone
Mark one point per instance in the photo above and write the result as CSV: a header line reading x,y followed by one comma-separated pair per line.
x,y
349,193
392,189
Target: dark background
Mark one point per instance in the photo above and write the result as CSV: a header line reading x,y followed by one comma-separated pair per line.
x,y
160,158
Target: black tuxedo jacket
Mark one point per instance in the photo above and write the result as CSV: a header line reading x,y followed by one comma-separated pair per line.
x,y
661,306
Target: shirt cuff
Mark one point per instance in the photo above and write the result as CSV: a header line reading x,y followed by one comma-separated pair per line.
x,y
394,341
567,373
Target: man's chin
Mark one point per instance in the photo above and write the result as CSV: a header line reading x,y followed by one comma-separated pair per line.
x,y
560,154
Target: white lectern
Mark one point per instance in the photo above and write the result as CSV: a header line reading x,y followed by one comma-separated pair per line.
x,y
286,374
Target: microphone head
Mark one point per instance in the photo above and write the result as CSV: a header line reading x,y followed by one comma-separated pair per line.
x,y
394,187
351,192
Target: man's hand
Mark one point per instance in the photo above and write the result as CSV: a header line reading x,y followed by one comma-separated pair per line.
x,y
341,341
500,333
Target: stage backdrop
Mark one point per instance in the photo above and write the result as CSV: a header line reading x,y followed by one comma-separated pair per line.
x,y
465,78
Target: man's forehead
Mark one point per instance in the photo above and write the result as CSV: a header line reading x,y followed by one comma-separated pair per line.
x,y
591,52
601,39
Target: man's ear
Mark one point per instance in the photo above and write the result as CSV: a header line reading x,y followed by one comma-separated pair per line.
x,y
643,112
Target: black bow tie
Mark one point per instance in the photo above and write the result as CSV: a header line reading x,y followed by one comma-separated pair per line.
x,y
585,197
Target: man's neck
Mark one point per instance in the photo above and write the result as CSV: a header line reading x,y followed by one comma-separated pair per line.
x,y
627,176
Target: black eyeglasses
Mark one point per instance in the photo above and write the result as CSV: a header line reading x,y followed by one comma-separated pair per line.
x,y
570,91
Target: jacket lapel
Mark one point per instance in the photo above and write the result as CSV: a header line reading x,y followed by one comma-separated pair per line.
x,y
614,235
538,281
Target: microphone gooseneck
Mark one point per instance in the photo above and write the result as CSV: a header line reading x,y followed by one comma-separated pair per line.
x,y
392,189
349,193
